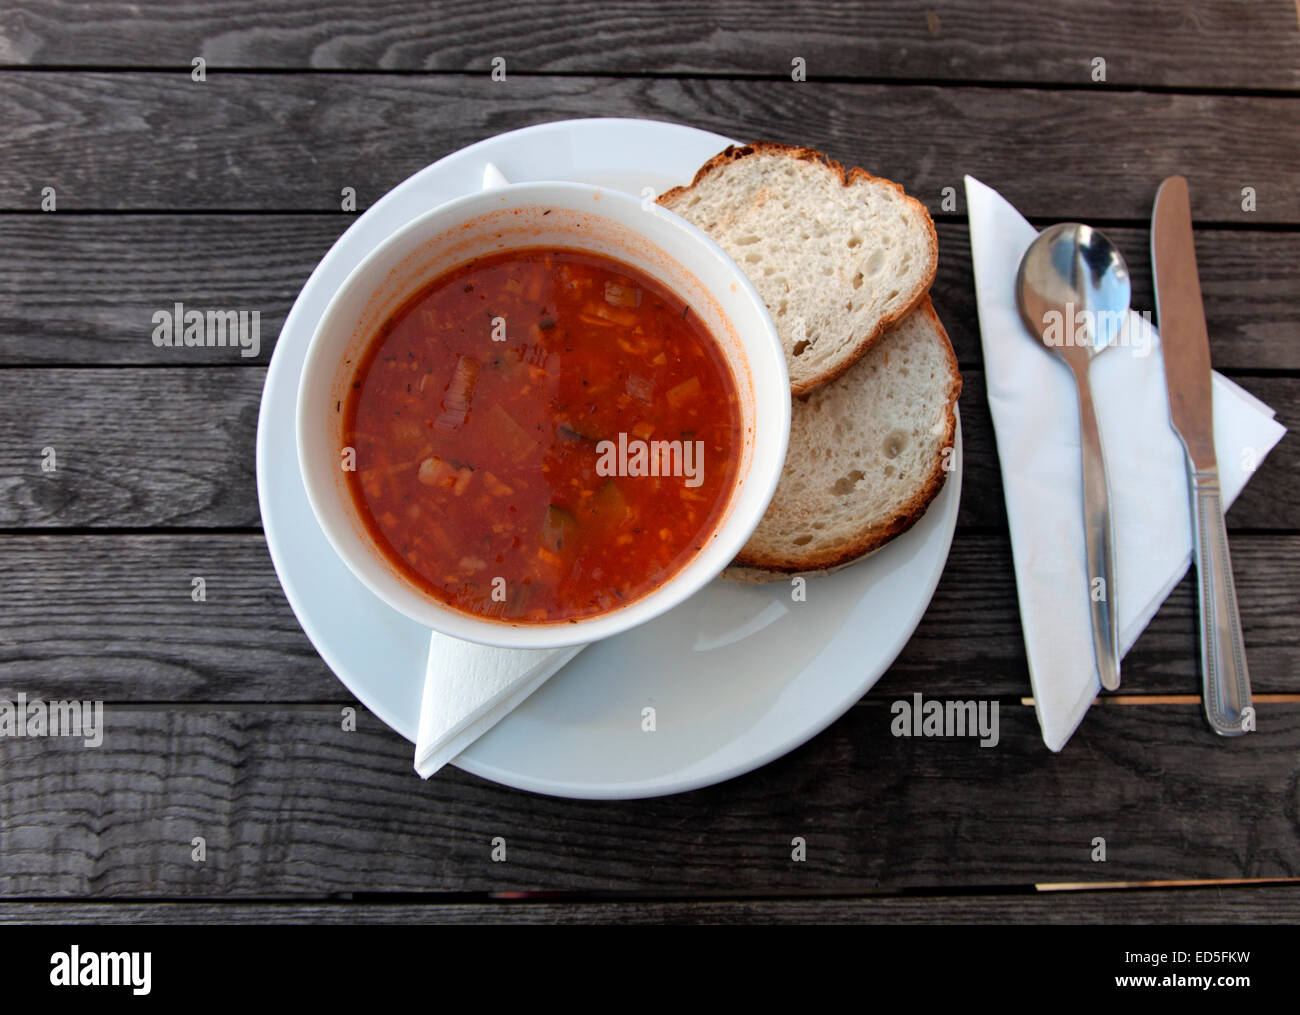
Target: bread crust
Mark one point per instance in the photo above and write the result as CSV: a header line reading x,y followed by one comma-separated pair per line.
x,y
734,153
875,536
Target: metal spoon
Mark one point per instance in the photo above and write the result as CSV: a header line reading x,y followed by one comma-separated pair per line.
x,y
1073,291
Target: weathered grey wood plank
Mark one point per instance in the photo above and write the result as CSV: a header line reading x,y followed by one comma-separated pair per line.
x,y
1207,43
1271,500
291,805
132,448
111,617
1229,904
142,447
128,267
290,142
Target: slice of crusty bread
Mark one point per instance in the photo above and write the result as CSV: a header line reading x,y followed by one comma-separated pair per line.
x,y
837,256
867,456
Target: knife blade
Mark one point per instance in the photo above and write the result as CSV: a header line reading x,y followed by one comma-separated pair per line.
x,y
1185,349
1183,335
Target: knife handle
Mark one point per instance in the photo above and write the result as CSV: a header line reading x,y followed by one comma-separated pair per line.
x,y
1099,536
1225,679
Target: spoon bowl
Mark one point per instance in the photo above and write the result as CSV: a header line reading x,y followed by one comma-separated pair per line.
x,y
1073,290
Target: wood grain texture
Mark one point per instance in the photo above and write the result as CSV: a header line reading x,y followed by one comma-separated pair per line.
x,y
1230,904
290,142
128,267
110,617
133,448
1206,43
173,447
291,805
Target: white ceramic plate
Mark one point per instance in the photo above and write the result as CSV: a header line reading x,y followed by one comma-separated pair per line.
x,y
737,676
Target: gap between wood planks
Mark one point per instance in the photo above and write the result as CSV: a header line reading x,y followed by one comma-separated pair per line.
x,y
941,217
782,77
1041,887
1088,886
1174,699
396,900
872,699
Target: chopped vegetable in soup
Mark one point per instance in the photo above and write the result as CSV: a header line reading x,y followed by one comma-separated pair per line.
x,y
542,435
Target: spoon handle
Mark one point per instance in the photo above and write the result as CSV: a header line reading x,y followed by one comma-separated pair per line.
x,y
1100,538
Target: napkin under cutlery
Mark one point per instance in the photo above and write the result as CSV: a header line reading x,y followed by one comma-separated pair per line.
x,y
1035,419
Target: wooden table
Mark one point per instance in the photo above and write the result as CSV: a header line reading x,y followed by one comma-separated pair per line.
x,y
223,721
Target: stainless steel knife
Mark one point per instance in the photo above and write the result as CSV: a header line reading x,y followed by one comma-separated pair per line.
x,y
1186,349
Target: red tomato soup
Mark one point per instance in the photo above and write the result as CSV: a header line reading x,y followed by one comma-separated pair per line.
x,y
542,435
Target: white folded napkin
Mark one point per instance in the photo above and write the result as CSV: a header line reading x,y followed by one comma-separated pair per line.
x,y
469,688
1035,418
